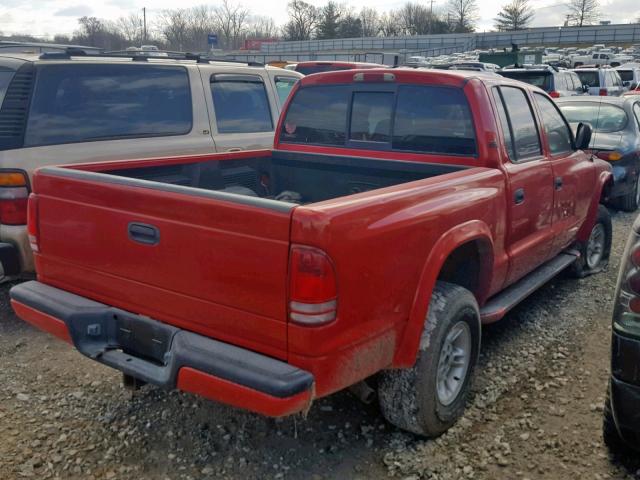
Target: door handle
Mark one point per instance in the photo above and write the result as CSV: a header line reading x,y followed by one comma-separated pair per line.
x,y
143,233
518,196
234,149
557,183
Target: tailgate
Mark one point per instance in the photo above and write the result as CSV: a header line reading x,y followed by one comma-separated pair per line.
x,y
180,255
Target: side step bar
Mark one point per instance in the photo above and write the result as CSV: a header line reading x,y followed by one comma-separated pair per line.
x,y
498,306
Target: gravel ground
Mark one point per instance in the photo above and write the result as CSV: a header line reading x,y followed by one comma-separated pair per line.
x,y
536,412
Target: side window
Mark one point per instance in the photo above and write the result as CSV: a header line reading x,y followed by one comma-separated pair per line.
x,y
523,124
241,104
284,86
86,102
371,114
555,127
504,123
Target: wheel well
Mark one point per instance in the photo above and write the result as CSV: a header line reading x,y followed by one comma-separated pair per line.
x,y
464,267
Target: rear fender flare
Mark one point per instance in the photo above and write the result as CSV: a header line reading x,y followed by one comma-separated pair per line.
x,y
604,181
473,230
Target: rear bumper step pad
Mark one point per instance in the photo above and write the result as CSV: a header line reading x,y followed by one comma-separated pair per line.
x,y
165,355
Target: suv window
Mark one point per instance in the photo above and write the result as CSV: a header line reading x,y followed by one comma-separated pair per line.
x,y
555,127
538,79
284,86
427,119
6,74
589,78
240,103
85,102
523,125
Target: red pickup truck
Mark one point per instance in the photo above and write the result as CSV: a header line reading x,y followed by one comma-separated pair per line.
x,y
398,211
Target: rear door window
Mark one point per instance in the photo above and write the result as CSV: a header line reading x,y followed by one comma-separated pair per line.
x,y
523,124
85,102
537,79
504,124
555,127
240,103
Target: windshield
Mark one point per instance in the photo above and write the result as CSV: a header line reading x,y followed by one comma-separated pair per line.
x,y
325,67
603,118
538,79
592,79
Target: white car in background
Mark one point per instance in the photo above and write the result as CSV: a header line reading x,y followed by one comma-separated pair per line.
x,y
603,82
630,74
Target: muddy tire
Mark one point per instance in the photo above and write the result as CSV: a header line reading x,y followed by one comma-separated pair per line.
x,y
610,434
594,253
630,201
430,397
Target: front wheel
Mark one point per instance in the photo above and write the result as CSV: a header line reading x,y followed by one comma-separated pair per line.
x,y
428,398
594,253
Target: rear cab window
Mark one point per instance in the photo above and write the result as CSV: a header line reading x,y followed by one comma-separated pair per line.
x,y
241,103
80,103
409,118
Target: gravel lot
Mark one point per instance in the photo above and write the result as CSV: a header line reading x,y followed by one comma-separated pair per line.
x,y
536,412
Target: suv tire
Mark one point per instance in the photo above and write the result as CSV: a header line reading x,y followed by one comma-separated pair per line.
x,y
430,397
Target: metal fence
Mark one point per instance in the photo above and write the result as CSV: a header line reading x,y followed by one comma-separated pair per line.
x,y
552,36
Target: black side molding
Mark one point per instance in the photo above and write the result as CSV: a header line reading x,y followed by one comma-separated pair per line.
x,y
153,351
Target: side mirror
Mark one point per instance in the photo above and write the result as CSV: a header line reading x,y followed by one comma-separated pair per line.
x,y
583,136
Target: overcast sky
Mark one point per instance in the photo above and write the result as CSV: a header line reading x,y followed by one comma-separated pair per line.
x,y
49,17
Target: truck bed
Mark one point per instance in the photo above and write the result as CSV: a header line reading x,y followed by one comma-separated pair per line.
x,y
285,177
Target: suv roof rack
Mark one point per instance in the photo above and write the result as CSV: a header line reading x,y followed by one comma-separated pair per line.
x,y
143,56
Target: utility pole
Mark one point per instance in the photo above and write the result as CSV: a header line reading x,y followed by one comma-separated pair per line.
x,y
431,18
144,22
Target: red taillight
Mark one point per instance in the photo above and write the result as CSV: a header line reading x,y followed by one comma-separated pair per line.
x,y
32,222
603,92
554,94
312,287
14,191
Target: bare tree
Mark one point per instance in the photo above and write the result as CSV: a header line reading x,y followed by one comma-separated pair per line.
x,y
303,20
390,24
231,19
262,28
174,27
370,22
514,16
131,28
583,12
463,14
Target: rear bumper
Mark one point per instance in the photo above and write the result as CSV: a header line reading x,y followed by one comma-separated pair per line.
x,y
164,355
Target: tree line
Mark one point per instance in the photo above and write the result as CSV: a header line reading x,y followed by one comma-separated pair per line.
x,y
186,29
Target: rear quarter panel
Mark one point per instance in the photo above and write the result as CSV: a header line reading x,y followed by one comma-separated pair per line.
x,y
387,253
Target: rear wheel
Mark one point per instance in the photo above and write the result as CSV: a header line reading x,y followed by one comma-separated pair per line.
x,y
428,398
630,202
594,253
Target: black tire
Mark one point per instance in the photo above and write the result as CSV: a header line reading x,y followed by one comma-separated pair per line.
x,y
582,267
409,397
628,202
612,438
